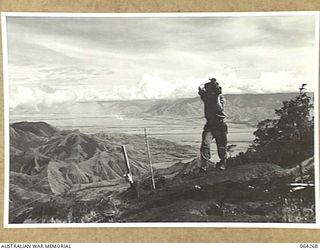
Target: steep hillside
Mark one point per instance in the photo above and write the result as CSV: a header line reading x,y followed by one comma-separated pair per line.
x,y
46,161
74,146
36,128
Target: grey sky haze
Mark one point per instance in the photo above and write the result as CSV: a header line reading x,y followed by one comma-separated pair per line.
x,y
64,59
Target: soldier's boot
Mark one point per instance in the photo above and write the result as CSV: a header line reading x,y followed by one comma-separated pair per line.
x,y
204,155
221,165
203,166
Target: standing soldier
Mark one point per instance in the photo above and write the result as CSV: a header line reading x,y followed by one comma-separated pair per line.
x,y
216,127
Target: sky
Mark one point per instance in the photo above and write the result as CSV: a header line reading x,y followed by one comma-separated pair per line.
x,y
74,59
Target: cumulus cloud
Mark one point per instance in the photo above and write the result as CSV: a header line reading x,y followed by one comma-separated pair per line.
x,y
65,60
154,86
265,82
34,98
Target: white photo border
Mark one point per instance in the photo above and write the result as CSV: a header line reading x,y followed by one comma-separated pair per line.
x,y
6,223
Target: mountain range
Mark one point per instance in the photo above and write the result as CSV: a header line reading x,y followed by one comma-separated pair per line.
x,y
240,108
46,161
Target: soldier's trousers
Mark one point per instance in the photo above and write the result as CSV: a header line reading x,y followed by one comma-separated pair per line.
x,y
217,131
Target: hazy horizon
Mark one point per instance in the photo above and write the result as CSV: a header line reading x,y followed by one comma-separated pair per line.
x,y
134,106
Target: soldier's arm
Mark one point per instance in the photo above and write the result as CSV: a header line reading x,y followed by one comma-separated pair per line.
x,y
201,93
222,102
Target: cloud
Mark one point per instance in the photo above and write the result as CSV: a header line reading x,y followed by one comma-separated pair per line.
x,y
154,86
33,98
64,60
47,89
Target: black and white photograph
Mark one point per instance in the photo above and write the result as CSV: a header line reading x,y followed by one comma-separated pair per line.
x,y
176,119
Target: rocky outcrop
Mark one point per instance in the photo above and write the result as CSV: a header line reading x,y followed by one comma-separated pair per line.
x,y
256,192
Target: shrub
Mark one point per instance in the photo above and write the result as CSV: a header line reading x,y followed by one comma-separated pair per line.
x,y
287,139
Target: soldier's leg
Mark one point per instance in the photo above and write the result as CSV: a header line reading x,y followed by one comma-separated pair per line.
x,y
221,142
205,153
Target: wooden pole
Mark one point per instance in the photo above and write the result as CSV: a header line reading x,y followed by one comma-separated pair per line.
x,y
149,159
128,174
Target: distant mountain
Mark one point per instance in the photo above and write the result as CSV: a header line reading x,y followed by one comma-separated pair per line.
x,y
36,128
240,108
244,108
